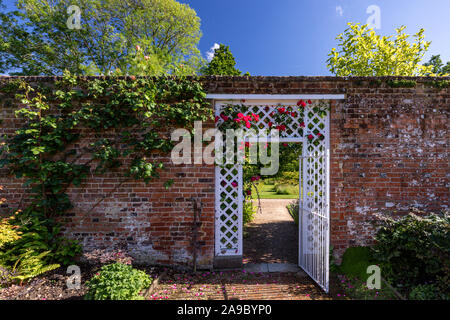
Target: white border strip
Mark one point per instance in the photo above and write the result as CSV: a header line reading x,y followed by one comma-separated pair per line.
x,y
275,96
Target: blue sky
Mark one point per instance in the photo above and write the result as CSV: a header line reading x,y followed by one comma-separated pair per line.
x,y
293,37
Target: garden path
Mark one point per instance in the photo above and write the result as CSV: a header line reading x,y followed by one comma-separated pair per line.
x,y
272,237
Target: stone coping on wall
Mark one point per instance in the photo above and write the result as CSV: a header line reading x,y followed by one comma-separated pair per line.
x,y
244,78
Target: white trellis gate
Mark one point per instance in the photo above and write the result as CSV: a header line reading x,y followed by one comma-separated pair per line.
x,y
314,179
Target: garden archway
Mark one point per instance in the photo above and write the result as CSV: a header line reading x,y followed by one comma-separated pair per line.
x,y
299,118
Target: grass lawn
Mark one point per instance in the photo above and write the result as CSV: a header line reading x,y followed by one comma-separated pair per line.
x,y
267,191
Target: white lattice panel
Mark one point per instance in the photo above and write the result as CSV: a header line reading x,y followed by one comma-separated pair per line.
x,y
228,210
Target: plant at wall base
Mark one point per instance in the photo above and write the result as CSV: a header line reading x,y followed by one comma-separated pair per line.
x,y
21,265
8,232
248,212
294,210
117,281
415,251
136,110
352,275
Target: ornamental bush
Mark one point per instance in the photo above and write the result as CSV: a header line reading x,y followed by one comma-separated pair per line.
x,y
117,281
8,232
248,212
415,250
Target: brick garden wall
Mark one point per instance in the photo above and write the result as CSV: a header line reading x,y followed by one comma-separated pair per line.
x,y
389,151
389,146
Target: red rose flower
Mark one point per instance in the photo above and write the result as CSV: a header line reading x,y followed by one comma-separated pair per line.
x,y
270,124
224,117
237,120
319,134
248,125
282,127
234,184
217,119
309,102
253,178
302,124
249,192
294,114
285,144
255,116
299,103
281,110
240,116
310,137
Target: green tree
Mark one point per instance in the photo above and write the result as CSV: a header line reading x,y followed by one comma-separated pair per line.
x,y
148,37
438,66
364,53
223,63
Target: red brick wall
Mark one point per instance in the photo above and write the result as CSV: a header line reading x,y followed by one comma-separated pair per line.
x,y
388,152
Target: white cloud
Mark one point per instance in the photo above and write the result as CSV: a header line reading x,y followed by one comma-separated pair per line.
x,y
210,52
339,11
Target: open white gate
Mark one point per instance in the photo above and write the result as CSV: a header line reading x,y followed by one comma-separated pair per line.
x,y
314,215
312,129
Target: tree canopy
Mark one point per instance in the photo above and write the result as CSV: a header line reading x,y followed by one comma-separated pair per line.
x,y
438,66
223,63
149,37
364,53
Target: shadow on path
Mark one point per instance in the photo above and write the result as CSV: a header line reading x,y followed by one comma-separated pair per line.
x,y
273,236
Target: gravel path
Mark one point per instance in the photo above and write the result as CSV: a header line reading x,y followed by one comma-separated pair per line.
x,y
273,236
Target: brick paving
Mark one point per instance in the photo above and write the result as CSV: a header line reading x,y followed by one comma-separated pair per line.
x,y
237,285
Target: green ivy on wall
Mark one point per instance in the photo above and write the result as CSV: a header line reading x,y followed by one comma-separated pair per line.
x,y
128,117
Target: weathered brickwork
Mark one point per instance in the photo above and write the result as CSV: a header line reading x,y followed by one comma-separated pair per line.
x,y
389,151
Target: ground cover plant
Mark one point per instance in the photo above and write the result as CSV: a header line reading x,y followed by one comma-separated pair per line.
x,y
117,281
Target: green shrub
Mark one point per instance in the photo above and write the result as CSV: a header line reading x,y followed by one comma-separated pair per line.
x,y
355,261
268,181
21,258
293,209
248,212
38,235
289,177
415,250
117,281
427,292
31,264
8,232
286,189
